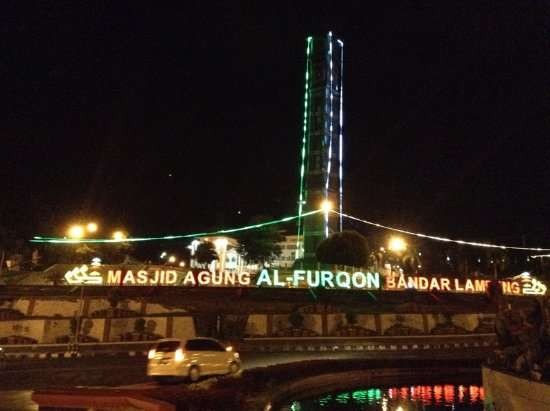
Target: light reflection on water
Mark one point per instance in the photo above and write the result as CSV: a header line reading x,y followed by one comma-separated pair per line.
x,y
408,398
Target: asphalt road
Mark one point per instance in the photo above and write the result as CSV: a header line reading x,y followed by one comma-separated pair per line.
x,y
16,386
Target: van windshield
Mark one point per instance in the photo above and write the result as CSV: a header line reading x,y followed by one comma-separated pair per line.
x,y
168,346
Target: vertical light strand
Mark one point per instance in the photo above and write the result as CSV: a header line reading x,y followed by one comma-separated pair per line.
x,y
341,136
330,130
301,197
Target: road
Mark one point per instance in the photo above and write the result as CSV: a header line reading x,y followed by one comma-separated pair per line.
x,y
16,385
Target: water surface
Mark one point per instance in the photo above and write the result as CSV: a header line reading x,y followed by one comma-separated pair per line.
x,y
406,398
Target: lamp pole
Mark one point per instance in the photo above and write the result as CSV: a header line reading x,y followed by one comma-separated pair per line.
x,y
79,317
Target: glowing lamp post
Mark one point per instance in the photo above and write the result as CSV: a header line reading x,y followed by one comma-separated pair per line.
x,y
326,206
119,235
75,232
397,245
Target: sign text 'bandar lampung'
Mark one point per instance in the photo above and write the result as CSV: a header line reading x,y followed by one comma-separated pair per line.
x,y
356,280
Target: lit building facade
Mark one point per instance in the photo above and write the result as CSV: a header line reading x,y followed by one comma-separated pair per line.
x,y
288,253
321,172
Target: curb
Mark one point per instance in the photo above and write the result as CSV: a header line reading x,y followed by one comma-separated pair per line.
x,y
86,399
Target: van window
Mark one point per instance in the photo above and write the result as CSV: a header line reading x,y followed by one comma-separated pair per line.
x,y
203,345
196,345
168,346
214,346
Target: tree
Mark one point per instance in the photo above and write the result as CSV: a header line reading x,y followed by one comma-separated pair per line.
x,y
206,253
260,245
344,248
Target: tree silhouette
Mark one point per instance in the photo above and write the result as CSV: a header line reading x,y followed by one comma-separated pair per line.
x,y
344,248
206,253
260,245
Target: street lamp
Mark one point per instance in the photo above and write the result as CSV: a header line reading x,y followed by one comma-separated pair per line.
x,y
91,227
76,232
326,206
172,259
397,244
119,235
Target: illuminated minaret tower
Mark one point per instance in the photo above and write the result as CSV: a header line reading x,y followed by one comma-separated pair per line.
x,y
321,155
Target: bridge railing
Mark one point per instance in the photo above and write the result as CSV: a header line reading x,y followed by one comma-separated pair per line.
x,y
45,351
278,344
371,343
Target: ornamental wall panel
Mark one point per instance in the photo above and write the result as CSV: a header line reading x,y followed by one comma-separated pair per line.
x,y
52,308
256,325
405,324
24,328
467,321
22,305
94,327
338,321
160,309
314,323
122,327
54,329
183,327
97,304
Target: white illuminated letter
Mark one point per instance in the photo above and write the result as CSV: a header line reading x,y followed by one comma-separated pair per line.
x,y
171,277
326,278
311,282
204,278
343,279
298,276
263,278
244,278
142,277
358,279
373,281
113,277
189,278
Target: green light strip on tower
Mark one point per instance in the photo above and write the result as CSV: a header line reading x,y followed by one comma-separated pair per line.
x,y
341,135
330,103
60,240
301,198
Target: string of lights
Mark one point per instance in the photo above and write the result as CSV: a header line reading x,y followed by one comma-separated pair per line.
x,y
443,239
62,240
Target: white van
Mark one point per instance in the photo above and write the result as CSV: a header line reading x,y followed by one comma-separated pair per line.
x,y
192,358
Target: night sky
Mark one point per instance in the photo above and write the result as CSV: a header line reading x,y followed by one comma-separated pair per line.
x,y
167,120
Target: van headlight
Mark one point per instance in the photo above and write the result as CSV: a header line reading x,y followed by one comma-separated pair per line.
x,y
151,354
179,356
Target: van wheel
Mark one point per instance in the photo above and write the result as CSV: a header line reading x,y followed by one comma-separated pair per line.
x,y
233,368
194,373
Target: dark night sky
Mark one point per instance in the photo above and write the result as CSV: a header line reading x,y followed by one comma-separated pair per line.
x,y
446,114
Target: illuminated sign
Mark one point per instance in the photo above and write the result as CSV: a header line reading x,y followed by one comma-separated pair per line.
x,y
523,284
80,275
